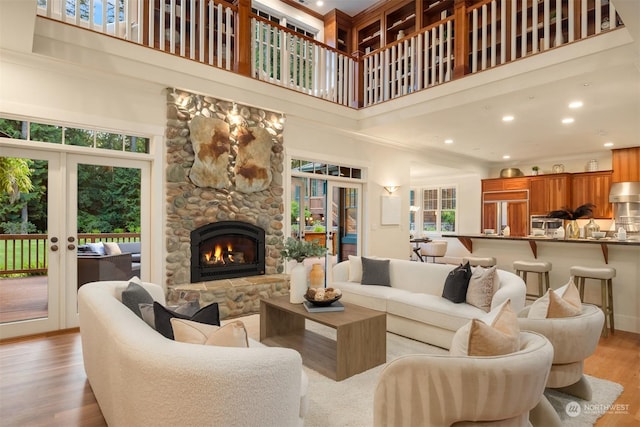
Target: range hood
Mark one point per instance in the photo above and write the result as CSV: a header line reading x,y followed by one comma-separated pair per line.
x,y
625,197
625,192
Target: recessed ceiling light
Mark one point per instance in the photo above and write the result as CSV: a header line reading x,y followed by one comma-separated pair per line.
x,y
319,3
575,104
608,144
507,118
506,157
448,141
567,120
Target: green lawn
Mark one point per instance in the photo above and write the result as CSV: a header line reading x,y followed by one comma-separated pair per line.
x,y
21,252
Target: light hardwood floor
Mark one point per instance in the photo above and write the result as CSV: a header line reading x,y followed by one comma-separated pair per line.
x,y
42,381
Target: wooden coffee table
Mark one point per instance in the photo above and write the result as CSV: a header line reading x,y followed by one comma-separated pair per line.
x,y
361,340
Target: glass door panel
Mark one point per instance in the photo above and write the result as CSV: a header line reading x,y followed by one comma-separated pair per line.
x,y
106,227
29,243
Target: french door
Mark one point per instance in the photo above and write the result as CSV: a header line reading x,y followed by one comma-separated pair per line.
x,y
77,201
328,212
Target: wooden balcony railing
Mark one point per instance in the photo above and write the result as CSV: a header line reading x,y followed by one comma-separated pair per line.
x,y
27,253
228,36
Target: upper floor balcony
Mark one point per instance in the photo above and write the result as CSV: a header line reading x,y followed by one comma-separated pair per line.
x,y
477,36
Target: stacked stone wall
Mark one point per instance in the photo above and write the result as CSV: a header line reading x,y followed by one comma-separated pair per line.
x,y
189,206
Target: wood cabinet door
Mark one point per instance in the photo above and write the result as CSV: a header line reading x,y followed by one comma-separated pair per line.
x,y
626,164
538,202
593,187
489,216
518,218
548,193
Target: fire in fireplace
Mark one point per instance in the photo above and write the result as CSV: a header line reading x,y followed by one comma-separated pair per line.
x,y
227,249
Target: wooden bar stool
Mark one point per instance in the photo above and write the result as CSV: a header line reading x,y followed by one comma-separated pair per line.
x,y
541,268
480,261
605,275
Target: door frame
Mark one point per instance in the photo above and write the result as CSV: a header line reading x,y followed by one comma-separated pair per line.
x,y
62,197
71,224
55,292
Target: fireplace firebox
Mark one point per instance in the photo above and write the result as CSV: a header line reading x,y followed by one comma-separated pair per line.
x,y
227,249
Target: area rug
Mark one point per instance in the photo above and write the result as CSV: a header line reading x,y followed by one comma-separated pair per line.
x,y
349,403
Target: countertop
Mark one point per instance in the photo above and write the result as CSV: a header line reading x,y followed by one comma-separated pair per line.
x,y
604,243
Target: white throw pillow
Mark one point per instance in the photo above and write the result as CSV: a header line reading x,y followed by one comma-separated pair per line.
x,y
355,269
483,284
111,248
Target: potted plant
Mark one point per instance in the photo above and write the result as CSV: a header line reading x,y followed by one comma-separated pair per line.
x,y
535,170
299,250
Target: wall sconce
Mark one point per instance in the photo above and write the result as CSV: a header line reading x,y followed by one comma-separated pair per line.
x,y
391,188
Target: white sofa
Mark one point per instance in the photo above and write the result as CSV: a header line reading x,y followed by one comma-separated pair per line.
x,y
141,378
414,304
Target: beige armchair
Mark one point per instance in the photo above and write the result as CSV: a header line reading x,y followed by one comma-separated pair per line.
x,y
573,339
440,390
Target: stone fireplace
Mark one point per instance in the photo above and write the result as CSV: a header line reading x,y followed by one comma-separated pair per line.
x,y
237,191
226,249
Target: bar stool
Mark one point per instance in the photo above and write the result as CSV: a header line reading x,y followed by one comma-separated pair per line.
x,y
480,261
434,249
605,275
541,268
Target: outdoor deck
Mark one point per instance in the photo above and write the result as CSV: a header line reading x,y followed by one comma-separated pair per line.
x,y
23,298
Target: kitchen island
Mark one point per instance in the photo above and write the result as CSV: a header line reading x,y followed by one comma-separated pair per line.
x,y
624,256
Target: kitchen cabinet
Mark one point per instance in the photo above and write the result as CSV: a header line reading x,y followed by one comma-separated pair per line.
x,y
500,184
626,164
592,187
549,192
502,208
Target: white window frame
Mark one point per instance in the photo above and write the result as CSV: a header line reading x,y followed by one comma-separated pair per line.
x,y
419,201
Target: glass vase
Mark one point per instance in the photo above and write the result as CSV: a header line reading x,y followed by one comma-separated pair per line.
x,y
573,230
590,228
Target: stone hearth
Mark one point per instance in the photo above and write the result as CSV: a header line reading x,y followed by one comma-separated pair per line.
x,y
235,297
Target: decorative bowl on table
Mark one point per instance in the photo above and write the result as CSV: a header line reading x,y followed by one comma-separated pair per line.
x,y
322,297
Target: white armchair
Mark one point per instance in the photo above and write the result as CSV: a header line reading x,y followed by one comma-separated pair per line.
x,y
573,339
440,390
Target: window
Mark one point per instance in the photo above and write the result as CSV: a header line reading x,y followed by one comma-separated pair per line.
x,y
439,209
58,134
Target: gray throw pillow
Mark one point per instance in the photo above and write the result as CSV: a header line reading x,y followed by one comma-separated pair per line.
x,y
375,272
135,295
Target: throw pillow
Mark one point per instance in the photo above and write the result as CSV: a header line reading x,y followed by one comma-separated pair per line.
x,y
483,284
564,302
208,315
147,314
495,334
97,248
134,295
355,269
375,272
456,284
233,334
111,248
